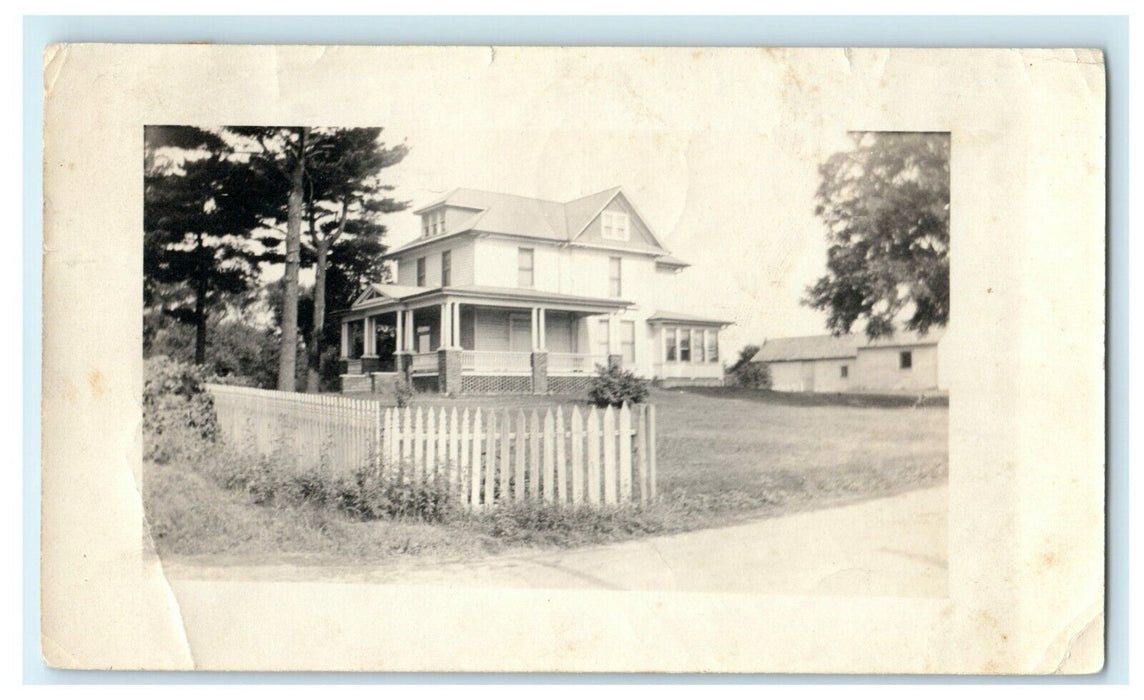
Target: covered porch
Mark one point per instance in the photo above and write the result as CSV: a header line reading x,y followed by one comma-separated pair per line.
x,y
477,340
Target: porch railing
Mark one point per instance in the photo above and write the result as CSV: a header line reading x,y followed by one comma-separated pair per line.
x,y
574,363
496,362
424,362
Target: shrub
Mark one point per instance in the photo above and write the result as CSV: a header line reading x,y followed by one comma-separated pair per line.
x,y
752,375
178,413
402,392
613,385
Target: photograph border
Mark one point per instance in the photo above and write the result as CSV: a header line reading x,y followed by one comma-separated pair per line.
x,y
1109,34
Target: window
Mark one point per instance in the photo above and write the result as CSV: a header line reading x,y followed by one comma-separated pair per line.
x,y
669,344
615,226
420,272
628,341
441,221
524,267
700,345
425,226
446,268
845,371
615,277
684,345
905,359
603,331
712,345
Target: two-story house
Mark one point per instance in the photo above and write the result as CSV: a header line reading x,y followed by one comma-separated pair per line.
x,y
502,293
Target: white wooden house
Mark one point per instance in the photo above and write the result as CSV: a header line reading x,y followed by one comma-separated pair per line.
x,y
503,293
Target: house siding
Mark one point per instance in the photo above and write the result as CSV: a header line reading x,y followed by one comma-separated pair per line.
x,y
461,263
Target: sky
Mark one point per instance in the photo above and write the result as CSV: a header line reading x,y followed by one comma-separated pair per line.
x,y
717,151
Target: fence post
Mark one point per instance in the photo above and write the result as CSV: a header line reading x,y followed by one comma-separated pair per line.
x,y
490,459
625,453
609,456
577,457
593,448
651,446
505,458
641,450
561,469
519,447
549,458
476,462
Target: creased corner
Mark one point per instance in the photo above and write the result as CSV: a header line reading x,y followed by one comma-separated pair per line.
x,y
55,56
1079,648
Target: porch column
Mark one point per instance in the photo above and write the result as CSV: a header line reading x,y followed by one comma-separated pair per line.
x,y
345,340
369,342
539,354
409,340
542,328
399,322
446,327
456,324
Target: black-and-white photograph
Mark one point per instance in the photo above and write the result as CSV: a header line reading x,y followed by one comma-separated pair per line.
x,y
391,354
581,359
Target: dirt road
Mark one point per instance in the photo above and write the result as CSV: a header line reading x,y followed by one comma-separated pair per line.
x,y
886,547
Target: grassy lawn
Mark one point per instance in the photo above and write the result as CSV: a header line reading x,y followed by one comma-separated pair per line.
x,y
724,455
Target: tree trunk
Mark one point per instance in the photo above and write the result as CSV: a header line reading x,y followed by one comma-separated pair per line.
x,y
314,347
288,355
200,305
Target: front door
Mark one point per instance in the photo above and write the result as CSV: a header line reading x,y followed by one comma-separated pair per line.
x,y
520,332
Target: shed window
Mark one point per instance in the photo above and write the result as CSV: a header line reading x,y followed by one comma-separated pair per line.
x,y
905,359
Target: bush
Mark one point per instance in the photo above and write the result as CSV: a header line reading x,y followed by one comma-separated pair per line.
x,y
612,386
178,413
751,375
402,392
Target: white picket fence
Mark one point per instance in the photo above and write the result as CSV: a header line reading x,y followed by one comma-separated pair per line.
x,y
329,432
485,457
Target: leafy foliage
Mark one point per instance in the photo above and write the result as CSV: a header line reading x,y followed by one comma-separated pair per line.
x,y
613,385
239,352
178,413
886,207
752,375
199,211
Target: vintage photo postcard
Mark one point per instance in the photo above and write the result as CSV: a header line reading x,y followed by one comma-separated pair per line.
x,y
573,359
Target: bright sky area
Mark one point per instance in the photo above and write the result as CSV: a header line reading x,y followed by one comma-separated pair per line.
x,y
723,168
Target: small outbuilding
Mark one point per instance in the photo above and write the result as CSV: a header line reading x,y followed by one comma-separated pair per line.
x,y
905,362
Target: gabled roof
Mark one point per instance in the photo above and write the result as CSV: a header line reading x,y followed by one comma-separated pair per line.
x,y
386,291
828,347
529,217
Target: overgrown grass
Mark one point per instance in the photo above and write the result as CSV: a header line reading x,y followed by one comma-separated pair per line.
x,y
724,456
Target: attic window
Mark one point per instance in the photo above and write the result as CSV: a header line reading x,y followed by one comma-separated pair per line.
x,y
615,226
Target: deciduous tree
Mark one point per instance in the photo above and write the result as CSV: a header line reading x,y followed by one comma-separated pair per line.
x,y
886,207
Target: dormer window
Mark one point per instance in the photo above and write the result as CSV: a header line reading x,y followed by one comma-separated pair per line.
x,y
433,224
615,226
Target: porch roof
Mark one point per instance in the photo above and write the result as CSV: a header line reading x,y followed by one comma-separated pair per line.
x,y
676,317
394,296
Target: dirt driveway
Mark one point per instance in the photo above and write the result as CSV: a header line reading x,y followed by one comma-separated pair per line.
x,y
885,547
